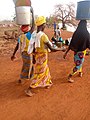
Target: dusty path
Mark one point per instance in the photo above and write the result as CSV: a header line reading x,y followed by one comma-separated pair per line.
x,y
63,101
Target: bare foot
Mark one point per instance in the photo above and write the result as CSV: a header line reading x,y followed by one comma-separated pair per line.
x,y
70,80
29,93
47,87
80,74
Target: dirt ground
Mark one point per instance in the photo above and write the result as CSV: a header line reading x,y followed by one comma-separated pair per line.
x,y
63,101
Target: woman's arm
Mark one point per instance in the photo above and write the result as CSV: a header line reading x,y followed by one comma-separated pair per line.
x,y
33,24
15,50
54,49
64,56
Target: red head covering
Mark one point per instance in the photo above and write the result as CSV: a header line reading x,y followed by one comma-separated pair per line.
x,y
25,28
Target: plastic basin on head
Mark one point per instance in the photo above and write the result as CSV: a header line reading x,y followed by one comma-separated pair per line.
x,y
83,10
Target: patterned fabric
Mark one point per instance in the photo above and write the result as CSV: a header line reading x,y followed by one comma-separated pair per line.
x,y
78,60
41,76
27,68
23,41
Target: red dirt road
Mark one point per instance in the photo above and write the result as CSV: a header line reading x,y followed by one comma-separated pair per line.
x,y
63,101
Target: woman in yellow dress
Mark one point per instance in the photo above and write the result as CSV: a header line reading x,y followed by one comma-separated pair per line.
x,y
42,77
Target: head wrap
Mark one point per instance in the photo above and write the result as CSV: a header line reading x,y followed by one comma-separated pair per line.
x,y
25,28
81,38
40,20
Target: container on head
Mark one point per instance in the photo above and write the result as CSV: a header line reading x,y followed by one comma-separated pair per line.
x,y
23,12
23,3
83,10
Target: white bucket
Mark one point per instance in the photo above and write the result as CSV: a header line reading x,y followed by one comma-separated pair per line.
x,y
23,15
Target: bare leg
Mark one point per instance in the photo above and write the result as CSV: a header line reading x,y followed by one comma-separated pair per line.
x,y
80,72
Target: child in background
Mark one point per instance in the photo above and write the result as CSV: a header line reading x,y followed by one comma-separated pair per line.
x,y
54,25
57,40
57,33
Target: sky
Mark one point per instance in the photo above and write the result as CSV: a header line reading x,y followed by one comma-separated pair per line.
x,y
7,7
